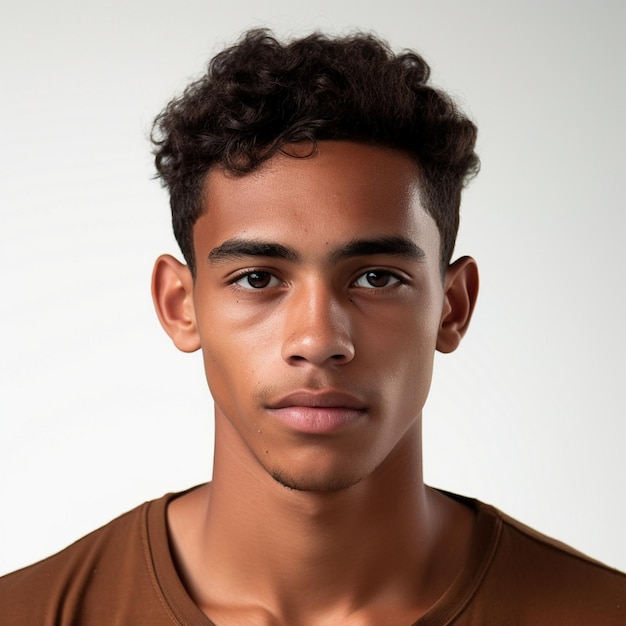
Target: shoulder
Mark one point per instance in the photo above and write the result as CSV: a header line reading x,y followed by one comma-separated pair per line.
x,y
541,553
89,576
547,581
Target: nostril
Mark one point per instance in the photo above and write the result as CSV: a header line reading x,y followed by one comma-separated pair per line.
x,y
317,341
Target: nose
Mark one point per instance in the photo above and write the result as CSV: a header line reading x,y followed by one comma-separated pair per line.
x,y
317,328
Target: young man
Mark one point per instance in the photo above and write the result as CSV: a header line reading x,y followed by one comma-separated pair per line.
x,y
315,189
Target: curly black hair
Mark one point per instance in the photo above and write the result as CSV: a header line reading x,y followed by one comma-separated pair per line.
x,y
260,95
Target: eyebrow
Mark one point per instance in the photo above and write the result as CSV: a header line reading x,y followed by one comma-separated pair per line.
x,y
237,248
392,245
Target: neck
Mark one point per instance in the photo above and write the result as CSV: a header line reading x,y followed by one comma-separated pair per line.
x,y
298,555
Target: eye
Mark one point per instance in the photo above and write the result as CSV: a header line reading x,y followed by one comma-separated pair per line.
x,y
256,280
376,279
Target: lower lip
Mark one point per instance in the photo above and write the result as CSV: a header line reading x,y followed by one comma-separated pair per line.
x,y
317,420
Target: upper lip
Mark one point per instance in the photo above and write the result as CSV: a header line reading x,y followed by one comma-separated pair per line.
x,y
318,398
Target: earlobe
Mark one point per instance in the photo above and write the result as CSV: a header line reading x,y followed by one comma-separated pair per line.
x,y
460,294
172,294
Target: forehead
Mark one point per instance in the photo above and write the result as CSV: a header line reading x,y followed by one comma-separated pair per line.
x,y
344,190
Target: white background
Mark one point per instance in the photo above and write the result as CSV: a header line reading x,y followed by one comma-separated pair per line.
x,y
99,412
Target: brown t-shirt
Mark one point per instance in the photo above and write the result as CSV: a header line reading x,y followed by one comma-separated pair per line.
x,y
123,574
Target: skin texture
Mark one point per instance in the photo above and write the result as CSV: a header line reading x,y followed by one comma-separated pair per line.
x,y
318,304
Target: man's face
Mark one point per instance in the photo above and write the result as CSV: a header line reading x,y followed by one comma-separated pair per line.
x,y
318,300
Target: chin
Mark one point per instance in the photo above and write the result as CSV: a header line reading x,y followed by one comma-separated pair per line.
x,y
314,484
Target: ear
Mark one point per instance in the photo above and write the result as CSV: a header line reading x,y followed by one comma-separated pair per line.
x,y
460,294
172,294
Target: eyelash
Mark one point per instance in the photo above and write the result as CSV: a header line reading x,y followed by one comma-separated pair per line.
x,y
396,278
248,273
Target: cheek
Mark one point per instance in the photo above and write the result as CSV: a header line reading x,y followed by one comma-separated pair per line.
x,y
405,331
236,351
406,346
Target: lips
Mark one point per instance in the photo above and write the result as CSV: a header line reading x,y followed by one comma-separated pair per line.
x,y
322,399
318,412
